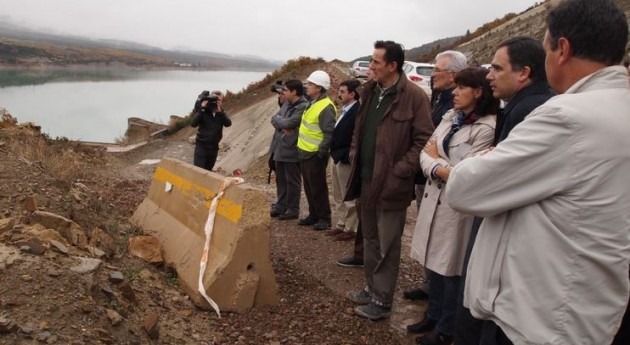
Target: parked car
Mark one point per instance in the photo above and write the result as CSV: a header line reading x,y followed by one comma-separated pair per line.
x,y
359,69
420,74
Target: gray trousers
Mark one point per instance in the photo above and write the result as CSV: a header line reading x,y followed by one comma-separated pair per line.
x,y
382,233
288,187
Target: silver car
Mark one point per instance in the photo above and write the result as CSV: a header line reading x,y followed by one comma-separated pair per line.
x,y
360,69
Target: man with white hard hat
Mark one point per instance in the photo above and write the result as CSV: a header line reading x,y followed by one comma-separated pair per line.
x,y
315,136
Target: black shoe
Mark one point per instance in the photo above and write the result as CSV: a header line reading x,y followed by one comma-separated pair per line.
x,y
307,221
426,325
434,338
322,225
288,216
350,261
373,312
415,295
275,212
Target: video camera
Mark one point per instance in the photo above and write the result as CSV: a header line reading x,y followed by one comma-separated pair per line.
x,y
206,96
277,87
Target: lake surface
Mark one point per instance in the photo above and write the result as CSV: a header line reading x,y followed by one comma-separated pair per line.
x,y
93,105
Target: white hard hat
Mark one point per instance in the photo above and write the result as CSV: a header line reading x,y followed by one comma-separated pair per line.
x,y
320,78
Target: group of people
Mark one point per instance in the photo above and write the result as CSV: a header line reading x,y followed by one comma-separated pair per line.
x,y
519,172
306,135
523,225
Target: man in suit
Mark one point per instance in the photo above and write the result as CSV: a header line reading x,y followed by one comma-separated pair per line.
x,y
345,212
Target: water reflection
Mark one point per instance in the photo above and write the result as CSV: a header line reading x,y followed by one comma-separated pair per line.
x,y
19,77
94,105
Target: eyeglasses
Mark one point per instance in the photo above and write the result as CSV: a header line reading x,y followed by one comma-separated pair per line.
x,y
439,70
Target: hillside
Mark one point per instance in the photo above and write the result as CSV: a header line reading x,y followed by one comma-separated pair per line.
x,y
20,47
529,23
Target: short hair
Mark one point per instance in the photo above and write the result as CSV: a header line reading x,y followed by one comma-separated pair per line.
x,y
475,77
394,52
526,51
295,85
457,61
596,29
352,85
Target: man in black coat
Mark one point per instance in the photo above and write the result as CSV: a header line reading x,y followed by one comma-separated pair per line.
x,y
517,77
210,118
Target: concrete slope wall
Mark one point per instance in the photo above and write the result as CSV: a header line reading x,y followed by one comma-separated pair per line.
x,y
249,136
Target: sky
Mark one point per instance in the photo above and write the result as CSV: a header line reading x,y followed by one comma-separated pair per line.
x,y
272,29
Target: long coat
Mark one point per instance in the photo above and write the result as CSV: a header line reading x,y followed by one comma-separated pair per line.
x,y
441,233
400,135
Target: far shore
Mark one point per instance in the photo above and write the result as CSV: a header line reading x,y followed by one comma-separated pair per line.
x,y
102,66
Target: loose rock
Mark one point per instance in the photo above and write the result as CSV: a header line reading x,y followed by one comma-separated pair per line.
x,y
151,325
147,248
86,265
113,317
7,325
116,277
58,246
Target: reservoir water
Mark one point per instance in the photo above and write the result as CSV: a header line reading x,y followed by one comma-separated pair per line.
x,y
93,105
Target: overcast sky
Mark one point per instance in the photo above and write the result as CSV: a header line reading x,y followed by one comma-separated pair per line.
x,y
274,29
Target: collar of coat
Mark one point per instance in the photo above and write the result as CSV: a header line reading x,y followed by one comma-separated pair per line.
x,y
401,87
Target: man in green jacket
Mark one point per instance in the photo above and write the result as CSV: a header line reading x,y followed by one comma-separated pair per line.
x,y
391,128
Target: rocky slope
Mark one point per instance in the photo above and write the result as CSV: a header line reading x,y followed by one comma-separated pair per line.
x,y
530,23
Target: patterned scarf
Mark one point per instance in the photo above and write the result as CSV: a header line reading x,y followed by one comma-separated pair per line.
x,y
460,120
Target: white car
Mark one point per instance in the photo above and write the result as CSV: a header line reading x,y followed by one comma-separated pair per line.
x,y
360,69
420,74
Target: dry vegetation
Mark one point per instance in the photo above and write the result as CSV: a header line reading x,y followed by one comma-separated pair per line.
x,y
65,160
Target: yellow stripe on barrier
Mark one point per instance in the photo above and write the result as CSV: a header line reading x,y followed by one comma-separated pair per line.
x,y
226,208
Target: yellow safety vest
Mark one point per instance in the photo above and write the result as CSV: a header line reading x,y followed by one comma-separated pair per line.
x,y
310,135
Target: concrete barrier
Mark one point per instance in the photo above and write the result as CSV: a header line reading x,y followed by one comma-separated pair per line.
x,y
239,274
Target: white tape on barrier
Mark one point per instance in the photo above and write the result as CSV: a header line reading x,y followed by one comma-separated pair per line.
x,y
208,230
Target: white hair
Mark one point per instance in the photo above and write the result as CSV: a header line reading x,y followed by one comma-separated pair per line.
x,y
457,61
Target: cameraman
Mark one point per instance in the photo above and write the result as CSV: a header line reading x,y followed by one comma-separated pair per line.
x,y
210,118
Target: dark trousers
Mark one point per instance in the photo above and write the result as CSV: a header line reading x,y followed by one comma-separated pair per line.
x,y
382,232
205,155
358,241
443,301
288,187
491,334
623,335
467,328
316,187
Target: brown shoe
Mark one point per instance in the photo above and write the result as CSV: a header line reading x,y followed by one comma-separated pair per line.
x,y
334,232
345,236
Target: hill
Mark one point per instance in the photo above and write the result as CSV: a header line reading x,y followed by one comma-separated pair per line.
x,y
23,48
420,53
480,44
529,23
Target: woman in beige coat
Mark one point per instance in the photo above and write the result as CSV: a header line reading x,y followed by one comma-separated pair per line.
x,y
441,234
